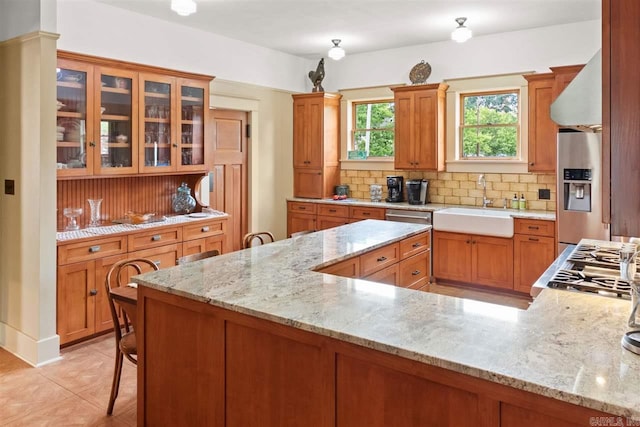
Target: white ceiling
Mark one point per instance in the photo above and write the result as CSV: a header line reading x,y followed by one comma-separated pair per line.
x,y
305,27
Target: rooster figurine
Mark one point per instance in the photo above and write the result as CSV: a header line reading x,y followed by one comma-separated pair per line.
x,y
317,76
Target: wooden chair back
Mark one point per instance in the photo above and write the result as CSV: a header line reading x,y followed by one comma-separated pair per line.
x,y
255,239
197,257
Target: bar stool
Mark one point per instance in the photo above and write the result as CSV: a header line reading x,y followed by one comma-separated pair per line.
x,y
258,238
125,341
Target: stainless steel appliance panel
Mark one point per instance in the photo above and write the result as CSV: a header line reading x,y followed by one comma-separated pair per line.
x,y
579,186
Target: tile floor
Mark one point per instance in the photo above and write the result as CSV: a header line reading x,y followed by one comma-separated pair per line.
x,y
75,390
71,392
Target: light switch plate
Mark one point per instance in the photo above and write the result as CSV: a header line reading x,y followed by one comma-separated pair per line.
x,y
544,194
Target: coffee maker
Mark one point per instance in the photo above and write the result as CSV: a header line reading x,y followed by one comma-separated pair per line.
x,y
417,191
395,185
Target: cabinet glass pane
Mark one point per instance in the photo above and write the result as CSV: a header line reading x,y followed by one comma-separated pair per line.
x,y
115,122
192,126
157,124
71,151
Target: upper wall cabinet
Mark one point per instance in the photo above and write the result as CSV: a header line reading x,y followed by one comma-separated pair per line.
x,y
316,144
420,127
543,132
116,118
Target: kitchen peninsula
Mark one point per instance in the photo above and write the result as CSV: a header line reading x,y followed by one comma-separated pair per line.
x,y
256,337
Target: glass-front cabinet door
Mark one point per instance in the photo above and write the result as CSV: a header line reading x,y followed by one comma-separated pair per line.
x,y
193,99
74,94
158,146
116,119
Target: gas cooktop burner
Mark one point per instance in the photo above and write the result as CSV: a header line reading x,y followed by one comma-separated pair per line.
x,y
594,255
590,282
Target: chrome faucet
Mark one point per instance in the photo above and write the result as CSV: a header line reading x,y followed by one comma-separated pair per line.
x,y
482,181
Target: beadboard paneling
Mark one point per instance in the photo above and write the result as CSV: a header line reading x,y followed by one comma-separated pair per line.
x,y
119,195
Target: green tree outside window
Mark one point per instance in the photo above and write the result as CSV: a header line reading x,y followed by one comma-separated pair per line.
x,y
373,128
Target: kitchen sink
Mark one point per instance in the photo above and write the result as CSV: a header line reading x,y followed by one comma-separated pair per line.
x,y
487,222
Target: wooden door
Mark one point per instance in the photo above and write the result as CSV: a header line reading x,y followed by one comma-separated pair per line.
x,y
229,165
532,255
300,133
542,130
103,312
452,256
308,183
76,301
492,261
314,122
425,130
404,131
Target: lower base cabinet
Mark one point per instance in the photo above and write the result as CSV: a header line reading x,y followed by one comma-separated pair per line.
x,y
312,380
82,306
308,216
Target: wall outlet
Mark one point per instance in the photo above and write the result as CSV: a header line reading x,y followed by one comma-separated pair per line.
x,y
544,194
9,186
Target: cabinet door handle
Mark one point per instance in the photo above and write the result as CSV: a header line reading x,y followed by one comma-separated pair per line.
x,y
417,245
415,273
204,229
93,292
366,213
534,239
94,249
92,144
468,241
174,145
382,259
156,238
531,164
534,227
332,210
302,208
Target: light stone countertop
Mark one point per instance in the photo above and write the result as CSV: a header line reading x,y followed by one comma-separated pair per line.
x,y
565,346
430,207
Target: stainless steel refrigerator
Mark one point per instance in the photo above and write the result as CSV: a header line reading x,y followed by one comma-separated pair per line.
x,y
579,181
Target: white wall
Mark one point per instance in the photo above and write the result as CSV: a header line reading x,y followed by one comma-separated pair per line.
x,y
107,31
18,17
518,51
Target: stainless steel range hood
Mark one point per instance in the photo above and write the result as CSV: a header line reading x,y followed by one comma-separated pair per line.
x,y
580,104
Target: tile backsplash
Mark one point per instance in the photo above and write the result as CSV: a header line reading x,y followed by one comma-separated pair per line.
x,y
461,188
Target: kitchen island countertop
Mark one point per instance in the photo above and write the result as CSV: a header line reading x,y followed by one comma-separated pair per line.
x,y
565,345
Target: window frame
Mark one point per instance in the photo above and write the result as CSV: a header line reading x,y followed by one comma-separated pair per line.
x,y
461,126
353,129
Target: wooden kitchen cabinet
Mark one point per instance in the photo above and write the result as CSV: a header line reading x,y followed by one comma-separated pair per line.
x,y
533,251
347,268
543,132
316,144
480,260
300,217
620,106
117,118
420,126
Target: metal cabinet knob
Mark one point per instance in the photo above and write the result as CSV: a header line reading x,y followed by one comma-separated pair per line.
x,y
382,258
205,229
94,249
415,273
156,238
93,292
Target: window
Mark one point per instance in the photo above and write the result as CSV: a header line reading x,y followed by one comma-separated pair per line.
x,y
373,128
490,125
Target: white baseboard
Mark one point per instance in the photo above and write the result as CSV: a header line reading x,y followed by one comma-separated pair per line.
x,y
34,352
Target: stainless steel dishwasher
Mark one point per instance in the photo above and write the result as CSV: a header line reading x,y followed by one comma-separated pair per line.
x,y
416,217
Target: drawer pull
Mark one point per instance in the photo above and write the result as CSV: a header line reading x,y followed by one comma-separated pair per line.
x,y
156,238
382,259
534,227
157,263
204,229
533,239
94,249
302,208
93,292
415,273
417,245
332,210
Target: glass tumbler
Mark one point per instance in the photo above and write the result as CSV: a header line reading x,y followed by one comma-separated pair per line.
x,y
94,205
375,191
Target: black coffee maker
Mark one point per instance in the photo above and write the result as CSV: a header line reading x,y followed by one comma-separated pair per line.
x,y
395,186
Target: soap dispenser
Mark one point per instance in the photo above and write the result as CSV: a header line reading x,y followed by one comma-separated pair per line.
x,y
522,204
514,202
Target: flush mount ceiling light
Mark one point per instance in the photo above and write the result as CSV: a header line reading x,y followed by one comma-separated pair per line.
x,y
184,7
462,33
336,52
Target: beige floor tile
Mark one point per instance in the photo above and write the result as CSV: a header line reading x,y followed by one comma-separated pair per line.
x,y
79,369
98,394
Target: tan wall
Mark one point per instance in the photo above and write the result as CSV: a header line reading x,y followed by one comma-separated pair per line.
x,y
270,150
27,219
461,188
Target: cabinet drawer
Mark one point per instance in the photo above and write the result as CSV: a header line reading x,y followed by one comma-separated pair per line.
x,y
534,227
333,210
154,238
163,256
358,212
389,275
197,246
302,207
414,245
98,248
347,268
379,259
324,222
414,271
203,229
